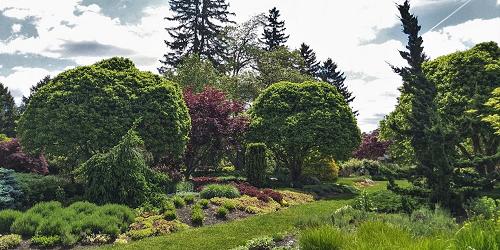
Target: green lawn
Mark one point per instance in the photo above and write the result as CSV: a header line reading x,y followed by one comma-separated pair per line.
x,y
235,233
379,185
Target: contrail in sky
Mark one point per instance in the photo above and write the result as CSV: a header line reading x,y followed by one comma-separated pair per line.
x,y
452,13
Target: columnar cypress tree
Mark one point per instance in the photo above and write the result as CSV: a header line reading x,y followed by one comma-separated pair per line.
x,y
434,172
198,29
8,112
255,163
311,65
328,73
274,31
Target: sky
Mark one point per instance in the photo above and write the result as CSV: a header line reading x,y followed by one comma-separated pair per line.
x,y
39,38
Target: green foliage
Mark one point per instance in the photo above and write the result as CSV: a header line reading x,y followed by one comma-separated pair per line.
x,y
170,215
179,202
256,164
121,175
322,238
184,186
260,243
189,199
484,207
105,100
293,120
229,205
329,189
8,112
222,212
194,73
9,241
383,201
494,104
479,235
10,192
203,203
215,190
37,188
7,217
4,138
325,169
197,215
46,241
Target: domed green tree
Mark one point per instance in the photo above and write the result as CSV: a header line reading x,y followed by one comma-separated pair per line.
x,y
87,110
296,120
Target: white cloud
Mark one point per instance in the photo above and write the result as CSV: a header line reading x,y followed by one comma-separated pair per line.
x,y
16,27
20,81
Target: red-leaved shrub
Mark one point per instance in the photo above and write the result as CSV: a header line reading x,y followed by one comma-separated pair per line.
x,y
261,194
12,157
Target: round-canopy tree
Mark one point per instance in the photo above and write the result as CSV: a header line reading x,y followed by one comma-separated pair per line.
x,y
86,110
295,120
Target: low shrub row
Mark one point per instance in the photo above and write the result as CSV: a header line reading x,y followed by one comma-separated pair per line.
x,y
49,223
261,194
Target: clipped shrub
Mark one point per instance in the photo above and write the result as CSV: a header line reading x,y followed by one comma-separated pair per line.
x,y
7,217
203,203
121,175
13,157
10,193
189,199
322,238
385,201
323,168
222,212
27,224
9,241
256,164
197,216
215,190
178,201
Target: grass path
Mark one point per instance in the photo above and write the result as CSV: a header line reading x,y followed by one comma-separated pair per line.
x,y
235,233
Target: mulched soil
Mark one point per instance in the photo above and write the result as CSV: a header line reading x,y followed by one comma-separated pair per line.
x,y
184,215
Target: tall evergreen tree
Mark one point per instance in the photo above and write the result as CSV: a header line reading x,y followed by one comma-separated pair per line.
x,y
311,65
433,175
274,31
7,112
198,29
329,73
33,90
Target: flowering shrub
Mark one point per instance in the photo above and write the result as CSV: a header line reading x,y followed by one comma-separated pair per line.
x,y
12,157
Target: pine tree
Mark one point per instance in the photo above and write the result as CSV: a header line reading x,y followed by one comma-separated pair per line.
x,y
274,31
33,90
198,30
428,139
7,112
311,65
329,73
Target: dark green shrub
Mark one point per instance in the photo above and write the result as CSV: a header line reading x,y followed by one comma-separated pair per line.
x,y
46,241
83,207
57,226
121,175
215,190
222,212
170,215
45,209
10,193
38,188
197,216
7,217
124,214
9,241
178,201
99,224
203,203
256,164
322,238
88,109
385,201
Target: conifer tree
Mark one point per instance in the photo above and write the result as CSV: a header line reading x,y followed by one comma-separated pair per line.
x,y
433,176
198,29
329,73
274,31
311,65
7,112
